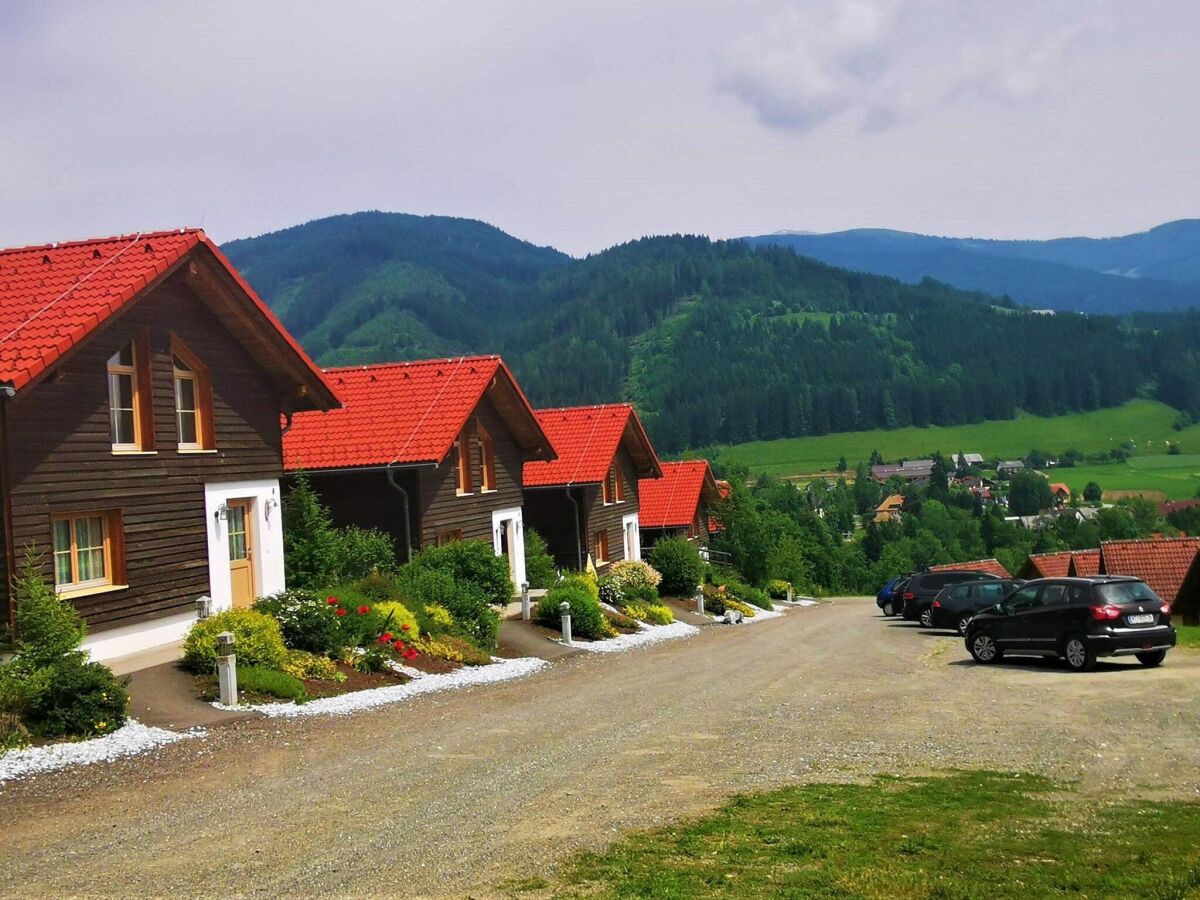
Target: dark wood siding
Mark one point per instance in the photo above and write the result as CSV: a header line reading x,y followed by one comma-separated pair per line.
x,y
366,499
61,459
550,513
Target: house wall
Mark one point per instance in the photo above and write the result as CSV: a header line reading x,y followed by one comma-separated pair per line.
x,y
366,499
61,459
551,514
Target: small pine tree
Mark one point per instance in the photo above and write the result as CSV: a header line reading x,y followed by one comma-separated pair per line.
x,y
48,627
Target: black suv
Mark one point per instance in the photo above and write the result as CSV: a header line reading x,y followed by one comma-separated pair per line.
x,y
919,593
1077,619
957,604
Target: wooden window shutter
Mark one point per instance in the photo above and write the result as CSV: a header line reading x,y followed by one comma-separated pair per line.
x,y
144,389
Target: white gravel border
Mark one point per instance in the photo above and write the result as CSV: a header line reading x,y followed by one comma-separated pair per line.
x,y
760,615
345,704
646,634
131,739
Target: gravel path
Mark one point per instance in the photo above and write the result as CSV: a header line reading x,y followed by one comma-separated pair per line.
x,y
448,794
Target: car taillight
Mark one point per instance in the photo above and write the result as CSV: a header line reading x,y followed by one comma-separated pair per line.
x,y
1106,612
909,595
1166,609
937,604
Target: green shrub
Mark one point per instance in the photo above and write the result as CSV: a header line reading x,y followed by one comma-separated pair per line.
x,y
307,620
473,562
744,608
396,619
586,618
376,587
301,664
620,620
641,593
439,617
680,564
714,600
608,591
747,593
777,589
79,699
316,553
455,649
583,580
258,640
363,552
634,573
48,626
540,570
658,614
474,618
259,680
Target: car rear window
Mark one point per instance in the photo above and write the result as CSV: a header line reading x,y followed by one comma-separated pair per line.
x,y
990,592
1126,592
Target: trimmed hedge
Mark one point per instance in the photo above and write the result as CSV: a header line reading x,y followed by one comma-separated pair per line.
x,y
587,619
258,640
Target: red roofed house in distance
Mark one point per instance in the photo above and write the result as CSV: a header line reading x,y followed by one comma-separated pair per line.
x,y
586,501
429,452
679,503
140,442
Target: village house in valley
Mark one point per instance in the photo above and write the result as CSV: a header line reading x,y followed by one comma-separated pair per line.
x,y
429,452
678,503
143,384
586,501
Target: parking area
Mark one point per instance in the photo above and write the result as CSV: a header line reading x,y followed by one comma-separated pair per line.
x,y
465,784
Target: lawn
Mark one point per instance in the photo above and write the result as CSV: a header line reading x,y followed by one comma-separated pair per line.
x,y
1188,635
1175,476
970,834
1146,422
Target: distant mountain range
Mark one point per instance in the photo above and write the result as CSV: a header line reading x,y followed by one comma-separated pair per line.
x,y
1153,270
726,341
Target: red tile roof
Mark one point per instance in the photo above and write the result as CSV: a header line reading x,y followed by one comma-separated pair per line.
x,y
404,413
1161,563
54,296
1058,488
586,439
724,488
991,566
1047,565
674,500
1084,563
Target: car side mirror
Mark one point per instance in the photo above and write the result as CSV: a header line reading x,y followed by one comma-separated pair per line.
x,y
999,607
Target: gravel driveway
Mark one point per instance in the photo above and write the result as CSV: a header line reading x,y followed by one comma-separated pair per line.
x,y
451,793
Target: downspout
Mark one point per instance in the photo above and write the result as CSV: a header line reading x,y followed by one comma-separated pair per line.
x,y
396,486
10,557
578,541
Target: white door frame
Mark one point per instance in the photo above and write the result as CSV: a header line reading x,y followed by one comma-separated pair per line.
x,y
631,526
267,523
516,540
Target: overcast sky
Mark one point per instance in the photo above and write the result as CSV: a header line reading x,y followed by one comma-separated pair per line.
x,y
582,125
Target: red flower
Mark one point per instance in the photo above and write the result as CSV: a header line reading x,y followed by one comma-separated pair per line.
x,y
340,611
411,653
385,638
332,601
399,645
406,627
363,610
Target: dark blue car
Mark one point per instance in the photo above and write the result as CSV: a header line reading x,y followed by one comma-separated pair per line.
x,y
885,598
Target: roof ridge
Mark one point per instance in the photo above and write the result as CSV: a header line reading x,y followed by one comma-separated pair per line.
x,y
405,364
1177,538
584,407
84,242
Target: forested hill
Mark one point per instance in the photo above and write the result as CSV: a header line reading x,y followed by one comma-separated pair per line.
x,y
714,341
380,286
1157,269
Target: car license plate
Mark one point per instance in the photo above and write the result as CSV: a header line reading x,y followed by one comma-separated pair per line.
x,y
1144,619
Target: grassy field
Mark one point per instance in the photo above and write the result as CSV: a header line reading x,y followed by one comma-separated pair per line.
x,y
1177,477
1146,422
1188,635
971,834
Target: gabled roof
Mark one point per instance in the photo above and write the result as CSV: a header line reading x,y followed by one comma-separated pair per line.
x,y
991,566
586,439
1059,487
1160,562
1047,565
674,500
408,413
1084,563
890,503
53,296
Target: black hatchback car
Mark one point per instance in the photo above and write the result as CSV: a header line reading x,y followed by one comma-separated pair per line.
x,y
1077,619
921,589
957,604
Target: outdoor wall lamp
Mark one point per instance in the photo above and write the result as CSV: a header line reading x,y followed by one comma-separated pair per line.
x,y
272,503
222,512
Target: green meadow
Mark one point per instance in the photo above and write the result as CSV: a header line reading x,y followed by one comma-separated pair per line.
x,y
1145,422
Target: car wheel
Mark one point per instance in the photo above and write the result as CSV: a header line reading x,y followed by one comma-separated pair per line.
x,y
926,618
962,625
888,609
1152,658
1078,654
984,649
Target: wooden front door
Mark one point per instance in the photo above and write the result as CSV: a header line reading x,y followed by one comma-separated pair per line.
x,y
241,552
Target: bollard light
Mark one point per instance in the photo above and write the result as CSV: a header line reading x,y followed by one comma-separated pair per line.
x,y
699,600
525,611
565,609
203,607
227,668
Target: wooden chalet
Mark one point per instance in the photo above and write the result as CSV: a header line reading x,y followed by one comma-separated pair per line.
x,y
142,384
429,452
678,503
585,503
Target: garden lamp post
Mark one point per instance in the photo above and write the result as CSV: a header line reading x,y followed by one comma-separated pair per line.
x,y
699,600
227,668
525,612
565,609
